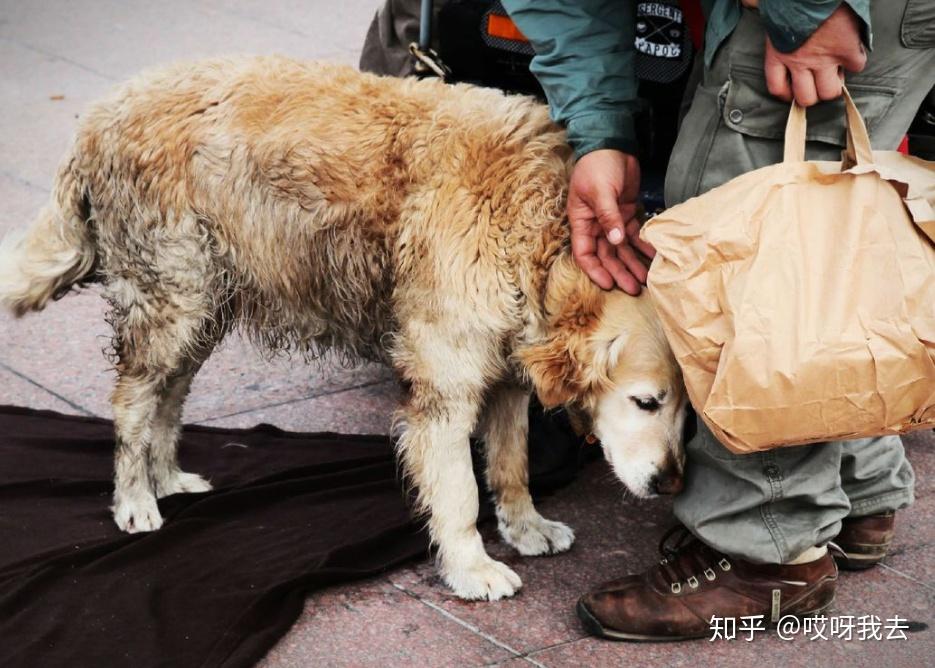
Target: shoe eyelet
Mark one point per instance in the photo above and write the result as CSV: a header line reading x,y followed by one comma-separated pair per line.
x,y
710,574
692,582
676,587
724,564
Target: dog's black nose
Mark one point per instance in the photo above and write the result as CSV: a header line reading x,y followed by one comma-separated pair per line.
x,y
667,483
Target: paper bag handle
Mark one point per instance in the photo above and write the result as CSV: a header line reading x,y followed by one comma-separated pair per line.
x,y
858,149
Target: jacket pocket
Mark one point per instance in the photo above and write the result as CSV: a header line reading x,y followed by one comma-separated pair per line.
x,y
918,27
750,109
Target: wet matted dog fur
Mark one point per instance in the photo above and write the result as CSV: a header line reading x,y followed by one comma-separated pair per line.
x,y
316,208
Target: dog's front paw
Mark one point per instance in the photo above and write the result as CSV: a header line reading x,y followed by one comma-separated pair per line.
x,y
137,513
179,482
484,579
536,535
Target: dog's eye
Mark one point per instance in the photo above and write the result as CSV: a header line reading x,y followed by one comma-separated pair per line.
x,y
646,403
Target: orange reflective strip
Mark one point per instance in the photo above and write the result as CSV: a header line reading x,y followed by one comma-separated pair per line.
x,y
504,28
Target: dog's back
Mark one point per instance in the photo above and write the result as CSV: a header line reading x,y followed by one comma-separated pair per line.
x,y
290,197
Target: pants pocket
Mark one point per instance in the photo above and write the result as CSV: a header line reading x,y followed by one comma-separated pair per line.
x,y
752,111
918,27
693,145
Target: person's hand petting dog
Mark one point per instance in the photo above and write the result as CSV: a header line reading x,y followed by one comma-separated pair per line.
x,y
602,203
602,196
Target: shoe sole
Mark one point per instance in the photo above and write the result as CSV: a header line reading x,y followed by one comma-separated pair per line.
x,y
856,562
595,628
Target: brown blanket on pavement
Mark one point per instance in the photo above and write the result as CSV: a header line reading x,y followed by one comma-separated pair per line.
x,y
222,580
226,575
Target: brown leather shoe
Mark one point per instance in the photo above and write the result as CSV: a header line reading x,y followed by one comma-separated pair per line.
x,y
863,541
676,598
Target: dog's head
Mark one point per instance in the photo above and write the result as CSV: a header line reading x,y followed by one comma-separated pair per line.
x,y
607,359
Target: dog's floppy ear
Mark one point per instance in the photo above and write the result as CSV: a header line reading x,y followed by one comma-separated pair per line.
x,y
553,370
557,364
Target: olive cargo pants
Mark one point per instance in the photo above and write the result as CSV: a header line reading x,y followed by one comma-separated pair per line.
x,y
771,506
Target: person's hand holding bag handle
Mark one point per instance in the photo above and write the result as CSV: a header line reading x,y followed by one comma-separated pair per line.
x,y
814,71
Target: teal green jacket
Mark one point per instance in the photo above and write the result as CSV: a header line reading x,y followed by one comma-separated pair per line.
x,y
585,58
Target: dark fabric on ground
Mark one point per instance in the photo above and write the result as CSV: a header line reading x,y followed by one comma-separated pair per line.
x,y
555,451
226,575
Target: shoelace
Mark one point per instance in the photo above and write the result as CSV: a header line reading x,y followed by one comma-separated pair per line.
x,y
685,557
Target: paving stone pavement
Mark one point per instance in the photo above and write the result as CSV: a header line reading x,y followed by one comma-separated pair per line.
x,y
56,57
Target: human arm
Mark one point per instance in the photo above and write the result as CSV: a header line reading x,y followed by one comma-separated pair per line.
x,y
585,62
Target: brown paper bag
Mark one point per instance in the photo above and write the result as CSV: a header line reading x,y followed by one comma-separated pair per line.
x,y
800,298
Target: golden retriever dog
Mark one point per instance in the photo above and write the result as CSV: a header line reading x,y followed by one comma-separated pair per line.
x,y
316,208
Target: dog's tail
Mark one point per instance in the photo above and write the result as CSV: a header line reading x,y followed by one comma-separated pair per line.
x,y
45,260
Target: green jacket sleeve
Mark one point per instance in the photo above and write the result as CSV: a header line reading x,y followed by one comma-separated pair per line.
x,y
585,61
790,23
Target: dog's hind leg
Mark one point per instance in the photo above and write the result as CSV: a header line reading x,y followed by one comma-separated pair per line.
x,y
135,401
159,344
167,477
147,404
506,426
